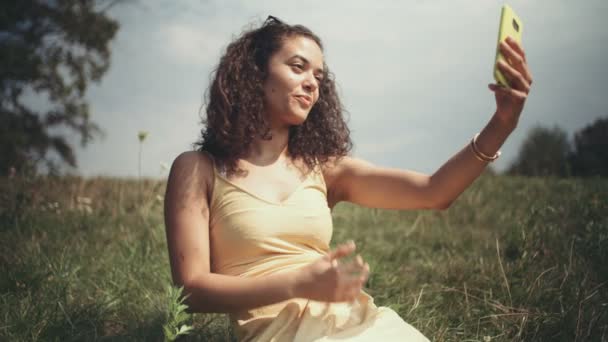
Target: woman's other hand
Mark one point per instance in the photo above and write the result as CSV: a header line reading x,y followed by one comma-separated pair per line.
x,y
510,101
330,279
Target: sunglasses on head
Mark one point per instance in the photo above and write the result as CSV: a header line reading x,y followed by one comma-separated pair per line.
x,y
273,20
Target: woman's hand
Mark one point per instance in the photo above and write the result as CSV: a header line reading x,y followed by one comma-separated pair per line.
x,y
330,280
510,101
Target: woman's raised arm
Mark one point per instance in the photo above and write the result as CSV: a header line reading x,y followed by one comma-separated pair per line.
x,y
357,181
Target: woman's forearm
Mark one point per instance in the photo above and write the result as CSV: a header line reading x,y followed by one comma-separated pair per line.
x,y
453,177
223,293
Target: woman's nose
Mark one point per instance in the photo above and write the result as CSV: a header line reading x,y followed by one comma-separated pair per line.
x,y
310,84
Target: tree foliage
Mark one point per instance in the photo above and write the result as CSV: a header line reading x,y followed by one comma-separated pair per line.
x,y
52,49
544,152
548,152
590,157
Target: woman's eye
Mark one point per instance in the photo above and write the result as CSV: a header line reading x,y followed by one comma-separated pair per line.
x,y
298,66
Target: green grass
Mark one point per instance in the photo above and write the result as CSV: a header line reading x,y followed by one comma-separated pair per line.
x,y
512,259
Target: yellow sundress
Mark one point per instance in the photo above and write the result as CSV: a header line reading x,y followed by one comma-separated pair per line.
x,y
252,237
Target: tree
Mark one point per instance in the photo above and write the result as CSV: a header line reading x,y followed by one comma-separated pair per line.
x,y
51,48
590,157
544,152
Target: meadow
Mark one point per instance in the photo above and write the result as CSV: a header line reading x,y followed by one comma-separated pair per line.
x,y
513,259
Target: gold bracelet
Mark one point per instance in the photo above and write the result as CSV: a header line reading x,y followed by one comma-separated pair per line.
x,y
480,155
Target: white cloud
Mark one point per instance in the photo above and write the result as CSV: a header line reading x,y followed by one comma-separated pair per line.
x,y
190,45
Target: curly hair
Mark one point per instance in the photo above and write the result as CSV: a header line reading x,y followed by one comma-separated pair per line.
x,y
235,103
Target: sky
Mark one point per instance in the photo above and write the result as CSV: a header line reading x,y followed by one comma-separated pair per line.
x,y
412,75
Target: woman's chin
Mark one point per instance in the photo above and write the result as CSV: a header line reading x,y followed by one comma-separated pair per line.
x,y
298,118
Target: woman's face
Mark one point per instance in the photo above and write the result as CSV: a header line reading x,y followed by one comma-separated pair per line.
x,y
292,84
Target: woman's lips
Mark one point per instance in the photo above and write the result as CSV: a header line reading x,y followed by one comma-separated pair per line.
x,y
305,100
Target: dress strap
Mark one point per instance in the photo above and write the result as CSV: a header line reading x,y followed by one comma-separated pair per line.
x,y
212,191
318,171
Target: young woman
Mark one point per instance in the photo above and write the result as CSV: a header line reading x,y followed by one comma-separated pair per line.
x,y
248,215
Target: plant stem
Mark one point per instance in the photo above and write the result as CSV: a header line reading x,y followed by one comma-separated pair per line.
x,y
139,170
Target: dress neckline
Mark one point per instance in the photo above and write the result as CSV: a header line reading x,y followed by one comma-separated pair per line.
x,y
218,174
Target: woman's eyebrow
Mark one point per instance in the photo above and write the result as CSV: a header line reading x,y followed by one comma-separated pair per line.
x,y
306,61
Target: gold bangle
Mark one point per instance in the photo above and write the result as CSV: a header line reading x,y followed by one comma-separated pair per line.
x,y
480,155
475,153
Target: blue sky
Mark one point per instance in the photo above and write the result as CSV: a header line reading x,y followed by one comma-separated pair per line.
x,y
413,75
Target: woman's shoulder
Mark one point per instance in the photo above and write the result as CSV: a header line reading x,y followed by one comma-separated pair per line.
x,y
190,160
331,172
331,167
193,170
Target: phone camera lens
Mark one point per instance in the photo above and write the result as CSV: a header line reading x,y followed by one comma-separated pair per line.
x,y
515,25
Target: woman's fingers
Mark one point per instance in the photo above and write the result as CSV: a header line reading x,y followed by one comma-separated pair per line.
x,y
342,251
515,54
359,260
358,282
351,275
515,78
511,53
355,277
513,44
507,91
352,288
352,294
353,268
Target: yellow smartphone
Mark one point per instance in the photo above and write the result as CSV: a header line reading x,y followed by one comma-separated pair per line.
x,y
510,26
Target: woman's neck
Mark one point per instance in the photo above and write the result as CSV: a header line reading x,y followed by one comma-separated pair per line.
x,y
266,152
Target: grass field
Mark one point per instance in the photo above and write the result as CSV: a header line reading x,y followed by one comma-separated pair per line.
x,y
512,259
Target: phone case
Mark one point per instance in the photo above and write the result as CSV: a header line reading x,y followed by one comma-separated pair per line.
x,y
510,25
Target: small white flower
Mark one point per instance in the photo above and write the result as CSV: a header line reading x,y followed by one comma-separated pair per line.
x,y
84,200
84,204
